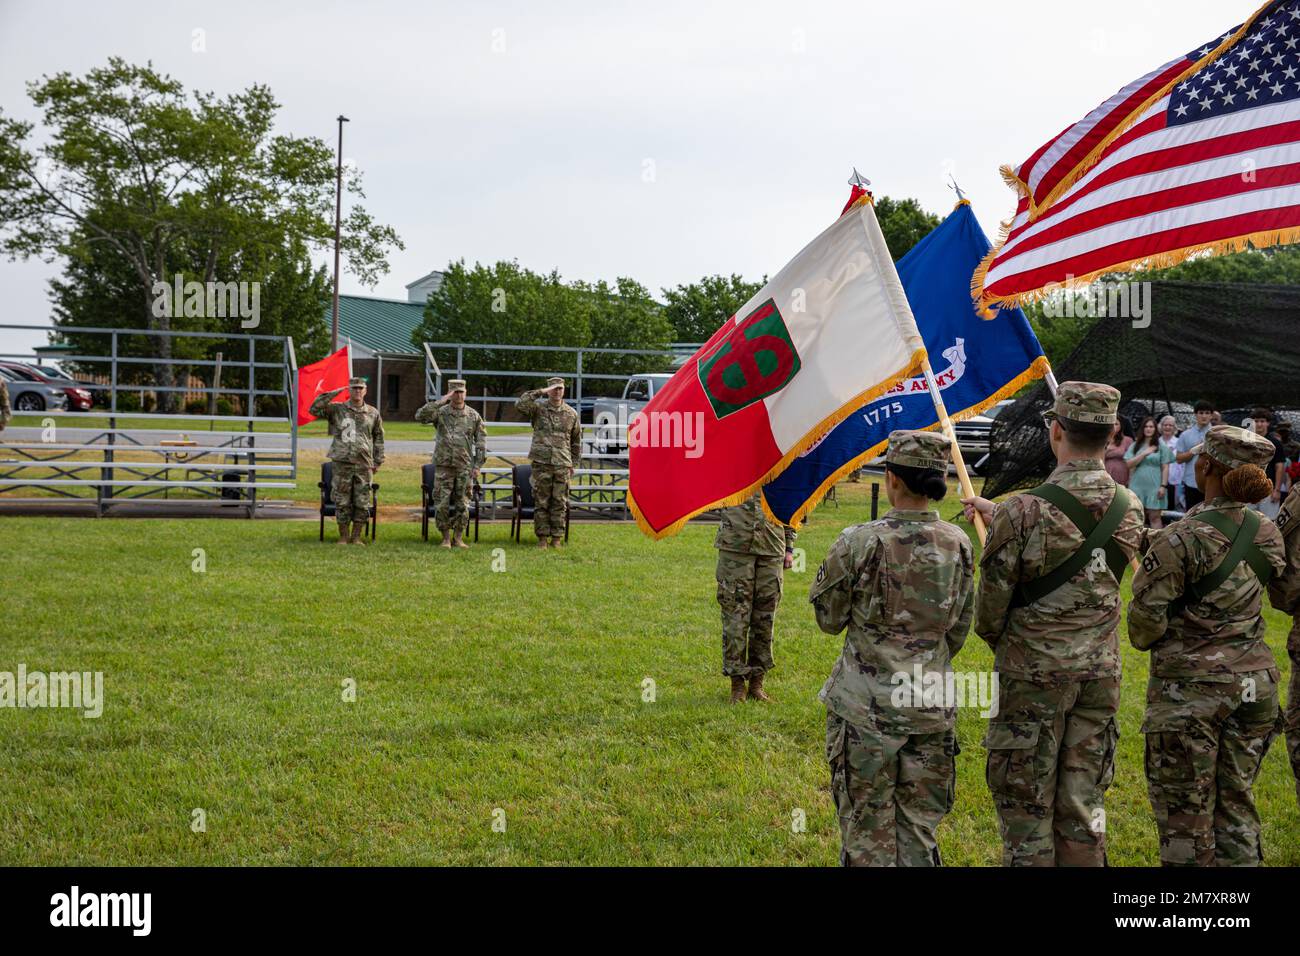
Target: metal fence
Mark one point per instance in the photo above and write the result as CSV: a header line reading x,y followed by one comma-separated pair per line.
x,y
149,454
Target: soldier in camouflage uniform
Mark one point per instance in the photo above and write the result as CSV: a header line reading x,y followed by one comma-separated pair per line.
x,y
752,556
555,450
6,412
1049,606
1284,592
357,451
904,588
459,451
1212,699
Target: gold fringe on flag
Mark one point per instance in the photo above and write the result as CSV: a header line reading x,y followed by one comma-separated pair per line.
x,y
810,439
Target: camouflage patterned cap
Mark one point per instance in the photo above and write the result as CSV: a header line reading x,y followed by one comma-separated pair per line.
x,y
1232,447
357,382
919,449
456,385
553,381
1088,403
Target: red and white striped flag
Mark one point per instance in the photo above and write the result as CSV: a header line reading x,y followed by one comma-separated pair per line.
x,y
1201,154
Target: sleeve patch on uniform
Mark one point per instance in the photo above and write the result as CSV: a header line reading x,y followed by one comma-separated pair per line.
x,y
1151,562
1283,519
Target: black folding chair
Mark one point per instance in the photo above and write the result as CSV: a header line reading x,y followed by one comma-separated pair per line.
x,y
327,509
427,475
521,500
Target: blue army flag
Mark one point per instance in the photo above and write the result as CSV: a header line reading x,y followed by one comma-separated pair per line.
x,y
982,362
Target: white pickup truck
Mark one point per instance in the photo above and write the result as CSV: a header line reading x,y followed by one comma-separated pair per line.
x,y
612,415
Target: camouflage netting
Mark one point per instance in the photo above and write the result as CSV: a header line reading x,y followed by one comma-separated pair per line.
x,y
1235,345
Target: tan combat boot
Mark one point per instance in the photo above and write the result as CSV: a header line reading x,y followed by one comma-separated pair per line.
x,y
343,532
541,543
756,689
457,541
555,542
357,528
737,690
446,540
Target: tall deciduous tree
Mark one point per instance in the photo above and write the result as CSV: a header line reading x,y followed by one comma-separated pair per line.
x,y
159,179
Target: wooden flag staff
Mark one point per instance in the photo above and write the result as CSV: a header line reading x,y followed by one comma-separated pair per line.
x,y
967,489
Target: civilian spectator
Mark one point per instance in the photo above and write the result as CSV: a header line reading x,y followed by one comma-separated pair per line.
x,y
1120,443
1188,440
1174,483
1148,460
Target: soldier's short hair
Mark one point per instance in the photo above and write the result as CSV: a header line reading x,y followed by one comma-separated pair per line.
x,y
1088,437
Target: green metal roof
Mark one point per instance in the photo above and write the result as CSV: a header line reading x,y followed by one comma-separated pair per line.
x,y
381,325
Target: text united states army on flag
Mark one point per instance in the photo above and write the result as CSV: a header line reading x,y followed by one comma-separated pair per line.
x,y
1202,153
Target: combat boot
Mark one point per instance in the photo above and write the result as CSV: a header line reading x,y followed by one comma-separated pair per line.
x,y
555,542
541,543
446,540
457,541
357,528
737,690
343,532
756,689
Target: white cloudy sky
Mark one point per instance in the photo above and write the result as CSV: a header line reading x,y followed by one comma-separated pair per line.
x,y
496,130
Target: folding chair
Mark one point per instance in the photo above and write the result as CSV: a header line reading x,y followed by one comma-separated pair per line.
x,y
521,501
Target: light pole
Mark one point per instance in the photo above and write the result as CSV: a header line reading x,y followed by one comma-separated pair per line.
x,y
338,224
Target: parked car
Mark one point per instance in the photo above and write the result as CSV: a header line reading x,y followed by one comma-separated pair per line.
x,y
973,434
612,415
80,398
28,395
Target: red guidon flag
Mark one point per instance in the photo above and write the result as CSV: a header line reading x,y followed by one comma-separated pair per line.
x,y
329,373
829,333
1201,154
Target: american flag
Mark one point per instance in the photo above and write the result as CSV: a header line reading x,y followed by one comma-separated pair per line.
x,y
1212,162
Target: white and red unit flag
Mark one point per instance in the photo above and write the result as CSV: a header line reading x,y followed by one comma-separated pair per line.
x,y
830,332
1201,154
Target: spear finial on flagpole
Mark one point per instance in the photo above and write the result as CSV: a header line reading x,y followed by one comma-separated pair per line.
x,y
961,196
857,179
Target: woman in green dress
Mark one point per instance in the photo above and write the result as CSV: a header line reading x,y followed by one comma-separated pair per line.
x,y
1148,460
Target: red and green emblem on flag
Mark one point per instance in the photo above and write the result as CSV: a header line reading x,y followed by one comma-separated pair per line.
x,y
755,360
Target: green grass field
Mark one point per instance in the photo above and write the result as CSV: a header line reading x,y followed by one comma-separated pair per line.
x,y
519,689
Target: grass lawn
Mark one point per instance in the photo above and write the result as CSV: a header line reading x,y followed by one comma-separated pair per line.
x,y
519,689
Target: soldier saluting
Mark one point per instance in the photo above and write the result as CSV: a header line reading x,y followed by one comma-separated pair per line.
x,y
904,588
357,451
460,448
1049,605
1212,700
555,449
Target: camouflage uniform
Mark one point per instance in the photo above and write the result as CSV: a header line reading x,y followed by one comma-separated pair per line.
x,y
1051,747
460,448
357,449
903,585
751,556
556,447
1212,699
1284,592
6,412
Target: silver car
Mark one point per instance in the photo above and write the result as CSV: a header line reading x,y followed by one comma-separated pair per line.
x,y
27,396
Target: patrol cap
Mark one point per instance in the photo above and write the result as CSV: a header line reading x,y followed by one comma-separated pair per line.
x,y
1233,447
457,385
918,449
553,381
1089,403
357,382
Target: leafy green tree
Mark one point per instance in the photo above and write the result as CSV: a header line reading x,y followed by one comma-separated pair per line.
x,y
904,223
625,317
696,309
134,169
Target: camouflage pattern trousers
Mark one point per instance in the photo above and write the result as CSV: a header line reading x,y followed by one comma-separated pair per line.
x,y
1051,758
890,791
1205,744
550,499
1293,707
451,488
350,491
749,590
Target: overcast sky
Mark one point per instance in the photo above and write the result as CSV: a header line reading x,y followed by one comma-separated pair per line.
x,y
658,140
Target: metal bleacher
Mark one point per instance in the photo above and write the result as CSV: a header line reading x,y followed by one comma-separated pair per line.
x,y
185,461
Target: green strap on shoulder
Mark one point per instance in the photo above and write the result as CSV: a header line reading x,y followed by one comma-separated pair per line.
x,y
1243,549
1097,534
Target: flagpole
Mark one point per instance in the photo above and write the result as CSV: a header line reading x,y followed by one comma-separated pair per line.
x,y
967,489
349,356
